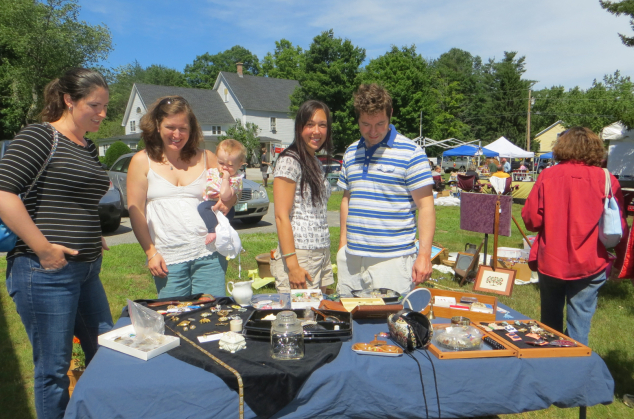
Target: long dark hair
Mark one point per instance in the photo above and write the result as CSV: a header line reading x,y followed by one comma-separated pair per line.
x,y
77,83
150,122
311,170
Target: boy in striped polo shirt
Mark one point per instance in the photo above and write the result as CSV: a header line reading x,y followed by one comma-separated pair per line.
x,y
386,177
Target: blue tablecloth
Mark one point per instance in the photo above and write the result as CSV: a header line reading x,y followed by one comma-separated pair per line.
x,y
352,386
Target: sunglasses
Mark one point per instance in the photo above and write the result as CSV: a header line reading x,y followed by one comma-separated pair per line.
x,y
170,100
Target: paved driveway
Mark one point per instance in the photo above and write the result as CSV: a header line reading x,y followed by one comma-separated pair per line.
x,y
124,233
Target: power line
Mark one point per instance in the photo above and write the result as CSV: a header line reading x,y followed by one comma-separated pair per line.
x,y
536,114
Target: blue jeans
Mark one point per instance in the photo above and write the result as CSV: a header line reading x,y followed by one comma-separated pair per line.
x,y
580,297
206,275
208,216
55,305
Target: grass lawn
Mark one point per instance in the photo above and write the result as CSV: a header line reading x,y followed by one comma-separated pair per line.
x,y
125,276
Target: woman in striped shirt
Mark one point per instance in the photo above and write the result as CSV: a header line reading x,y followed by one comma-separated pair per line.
x,y
53,272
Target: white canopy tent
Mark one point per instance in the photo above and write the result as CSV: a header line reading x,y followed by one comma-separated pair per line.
x,y
620,150
505,148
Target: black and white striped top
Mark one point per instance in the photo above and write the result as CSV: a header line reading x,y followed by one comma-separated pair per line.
x,y
64,203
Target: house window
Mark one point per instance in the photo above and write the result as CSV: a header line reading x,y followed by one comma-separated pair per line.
x,y
215,129
273,125
132,126
138,110
133,146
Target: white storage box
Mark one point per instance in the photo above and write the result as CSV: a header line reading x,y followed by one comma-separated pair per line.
x,y
531,239
108,340
306,298
509,252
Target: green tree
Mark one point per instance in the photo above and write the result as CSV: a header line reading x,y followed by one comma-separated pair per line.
x,y
120,82
458,86
625,7
38,42
116,150
284,63
202,73
605,102
140,145
407,77
505,105
329,73
246,134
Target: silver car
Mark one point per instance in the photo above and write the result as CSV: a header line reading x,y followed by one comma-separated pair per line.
x,y
252,205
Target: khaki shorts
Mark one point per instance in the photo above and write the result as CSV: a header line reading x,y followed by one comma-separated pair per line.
x,y
315,261
359,272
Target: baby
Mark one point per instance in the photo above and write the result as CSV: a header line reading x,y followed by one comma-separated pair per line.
x,y
223,183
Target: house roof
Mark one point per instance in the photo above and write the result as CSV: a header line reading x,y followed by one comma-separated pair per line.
x,y
206,104
549,128
260,93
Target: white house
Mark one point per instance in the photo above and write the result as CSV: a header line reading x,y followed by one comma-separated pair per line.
x,y
261,100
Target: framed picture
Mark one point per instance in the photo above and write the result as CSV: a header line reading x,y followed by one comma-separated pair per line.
x,y
435,251
499,281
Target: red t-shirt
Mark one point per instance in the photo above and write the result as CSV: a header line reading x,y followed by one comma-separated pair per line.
x,y
564,207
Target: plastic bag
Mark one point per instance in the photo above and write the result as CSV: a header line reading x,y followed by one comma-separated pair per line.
x,y
148,324
227,240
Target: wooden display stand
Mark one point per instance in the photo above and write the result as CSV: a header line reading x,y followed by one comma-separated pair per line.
x,y
475,317
546,351
498,353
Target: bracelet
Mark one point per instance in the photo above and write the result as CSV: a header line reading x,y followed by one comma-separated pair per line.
x,y
150,258
288,254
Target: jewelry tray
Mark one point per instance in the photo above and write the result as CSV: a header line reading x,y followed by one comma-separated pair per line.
x,y
486,352
547,351
256,328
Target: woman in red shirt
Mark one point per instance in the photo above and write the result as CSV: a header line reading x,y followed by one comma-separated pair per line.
x,y
564,208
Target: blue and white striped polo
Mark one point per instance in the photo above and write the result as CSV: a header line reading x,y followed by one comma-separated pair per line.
x,y
381,212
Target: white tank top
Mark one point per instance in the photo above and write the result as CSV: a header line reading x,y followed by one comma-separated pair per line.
x,y
176,228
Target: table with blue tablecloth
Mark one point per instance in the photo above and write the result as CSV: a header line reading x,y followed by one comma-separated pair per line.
x,y
351,386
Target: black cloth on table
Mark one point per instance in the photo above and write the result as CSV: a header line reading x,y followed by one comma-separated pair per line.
x,y
269,384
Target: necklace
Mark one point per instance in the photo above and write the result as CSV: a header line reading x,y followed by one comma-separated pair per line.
x,y
168,162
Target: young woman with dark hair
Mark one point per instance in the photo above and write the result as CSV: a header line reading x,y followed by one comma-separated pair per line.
x,y
564,208
301,192
53,271
165,183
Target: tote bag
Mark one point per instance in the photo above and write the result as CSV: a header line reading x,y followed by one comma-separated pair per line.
x,y
610,230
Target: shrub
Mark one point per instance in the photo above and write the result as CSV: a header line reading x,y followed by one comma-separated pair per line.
x,y
140,145
116,150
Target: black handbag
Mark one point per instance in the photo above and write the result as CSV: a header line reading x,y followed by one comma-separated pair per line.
x,y
410,329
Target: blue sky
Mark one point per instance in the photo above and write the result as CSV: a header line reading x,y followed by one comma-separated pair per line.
x,y
566,42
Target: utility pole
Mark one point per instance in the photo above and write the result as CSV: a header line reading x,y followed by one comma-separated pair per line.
x,y
528,123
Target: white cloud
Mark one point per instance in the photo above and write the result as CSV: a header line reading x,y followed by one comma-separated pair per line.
x,y
566,42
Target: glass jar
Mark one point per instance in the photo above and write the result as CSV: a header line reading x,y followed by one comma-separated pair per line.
x,y
287,337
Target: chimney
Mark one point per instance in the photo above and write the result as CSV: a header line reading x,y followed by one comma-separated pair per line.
x,y
239,69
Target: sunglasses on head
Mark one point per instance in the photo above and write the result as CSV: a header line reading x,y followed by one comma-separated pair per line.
x,y
170,100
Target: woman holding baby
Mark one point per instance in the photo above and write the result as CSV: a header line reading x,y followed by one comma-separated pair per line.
x,y
166,184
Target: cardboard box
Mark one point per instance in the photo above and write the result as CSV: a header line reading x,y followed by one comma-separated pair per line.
x,y
107,340
523,271
444,193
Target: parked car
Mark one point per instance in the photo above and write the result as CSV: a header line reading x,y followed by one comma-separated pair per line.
x,y
110,205
517,163
110,210
543,163
455,164
252,205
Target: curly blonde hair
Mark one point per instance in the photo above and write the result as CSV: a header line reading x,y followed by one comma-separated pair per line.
x,y
579,144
